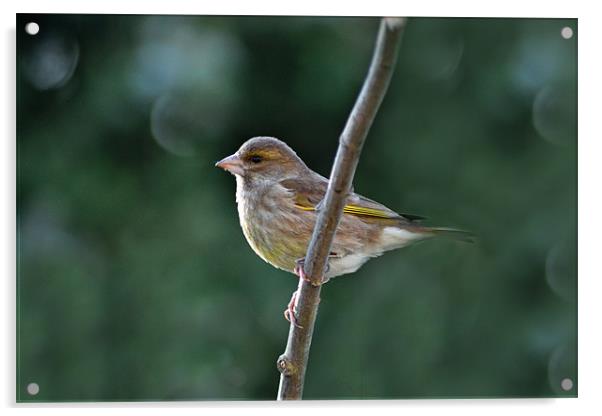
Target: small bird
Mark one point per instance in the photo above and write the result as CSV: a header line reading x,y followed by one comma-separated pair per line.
x,y
277,197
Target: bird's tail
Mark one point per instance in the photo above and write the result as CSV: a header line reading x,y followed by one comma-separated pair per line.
x,y
454,234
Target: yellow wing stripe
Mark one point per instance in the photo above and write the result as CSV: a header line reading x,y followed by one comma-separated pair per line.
x,y
371,212
354,209
305,208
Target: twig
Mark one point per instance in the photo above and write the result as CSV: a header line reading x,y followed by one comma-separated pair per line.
x,y
293,363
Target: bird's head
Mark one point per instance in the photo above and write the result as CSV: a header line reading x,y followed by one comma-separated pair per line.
x,y
265,159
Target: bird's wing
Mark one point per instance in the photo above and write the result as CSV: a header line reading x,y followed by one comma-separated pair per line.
x,y
308,193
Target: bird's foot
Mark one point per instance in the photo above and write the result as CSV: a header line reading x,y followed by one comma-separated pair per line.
x,y
290,311
299,269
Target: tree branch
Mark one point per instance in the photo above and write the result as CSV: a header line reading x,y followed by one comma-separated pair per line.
x,y
293,363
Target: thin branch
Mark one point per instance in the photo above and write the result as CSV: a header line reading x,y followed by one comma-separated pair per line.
x,y
293,363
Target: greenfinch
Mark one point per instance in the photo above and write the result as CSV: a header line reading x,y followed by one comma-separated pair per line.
x,y
277,197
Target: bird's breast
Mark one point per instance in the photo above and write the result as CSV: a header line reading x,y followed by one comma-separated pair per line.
x,y
274,228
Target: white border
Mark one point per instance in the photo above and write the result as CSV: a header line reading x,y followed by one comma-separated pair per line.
x,y
590,206
508,8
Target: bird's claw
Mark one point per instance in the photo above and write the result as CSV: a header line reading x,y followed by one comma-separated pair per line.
x,y
299,269
289,312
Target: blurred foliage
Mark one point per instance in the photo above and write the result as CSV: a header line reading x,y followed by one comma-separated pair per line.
x,y
135,281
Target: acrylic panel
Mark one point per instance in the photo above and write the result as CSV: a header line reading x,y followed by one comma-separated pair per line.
x,y
135,281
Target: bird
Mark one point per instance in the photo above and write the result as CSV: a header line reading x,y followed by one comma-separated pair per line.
x,y
278,199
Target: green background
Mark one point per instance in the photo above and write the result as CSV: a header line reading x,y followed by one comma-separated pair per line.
x,y
136,283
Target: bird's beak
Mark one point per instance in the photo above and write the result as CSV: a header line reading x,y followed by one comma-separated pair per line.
x,y
232,164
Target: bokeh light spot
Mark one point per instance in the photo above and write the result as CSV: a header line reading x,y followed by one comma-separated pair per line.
x,y
51,63
440,60
538,62
171,126
555,114
561,270
187,57
182,122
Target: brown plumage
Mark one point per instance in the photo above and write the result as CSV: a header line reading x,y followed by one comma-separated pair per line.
x,y
277,195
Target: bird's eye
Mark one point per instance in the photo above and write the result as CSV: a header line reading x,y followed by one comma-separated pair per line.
x,y
255,159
